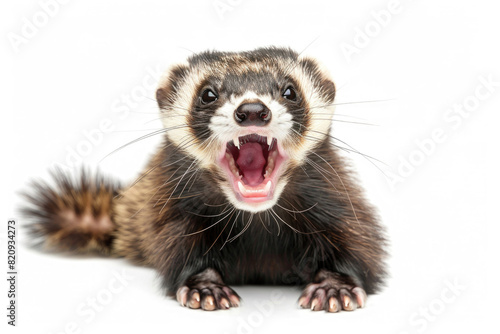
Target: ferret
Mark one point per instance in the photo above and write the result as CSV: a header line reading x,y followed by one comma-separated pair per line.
x,y
247,187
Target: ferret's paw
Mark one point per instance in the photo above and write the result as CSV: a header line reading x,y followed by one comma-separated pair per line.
x,y
333,292
208,296
207,291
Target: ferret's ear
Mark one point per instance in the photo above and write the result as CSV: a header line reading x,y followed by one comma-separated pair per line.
x,y
320,77
169,85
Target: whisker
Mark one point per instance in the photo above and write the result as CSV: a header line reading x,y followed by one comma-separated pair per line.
x,y
262,222
153,168
231,229
311,225
195,179
276,221
192,175
273,213
342,121
138,130
175,188
244,228
154,133
219,234
301,211
188,196
353,102
211,216
342,182
215,205
303,168
161,186
350,149
209,227
290,226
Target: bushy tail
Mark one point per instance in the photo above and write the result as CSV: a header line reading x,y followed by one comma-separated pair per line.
x,y
73,214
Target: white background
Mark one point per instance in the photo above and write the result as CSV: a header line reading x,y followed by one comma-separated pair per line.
x,y
441,214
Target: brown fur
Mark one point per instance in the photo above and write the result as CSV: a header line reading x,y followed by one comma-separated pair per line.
x,y
176,219
73,215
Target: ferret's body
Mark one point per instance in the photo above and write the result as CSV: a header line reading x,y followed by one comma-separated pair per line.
x,y
282,246
288,213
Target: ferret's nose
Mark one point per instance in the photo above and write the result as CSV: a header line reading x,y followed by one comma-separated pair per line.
x,y
252,114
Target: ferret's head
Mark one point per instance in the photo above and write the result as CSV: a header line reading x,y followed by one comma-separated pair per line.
x,y
248,117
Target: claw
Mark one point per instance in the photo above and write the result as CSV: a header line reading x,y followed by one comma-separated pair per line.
x,y
303,302
224,303
333,293
208,296
182,295
360,296
333,305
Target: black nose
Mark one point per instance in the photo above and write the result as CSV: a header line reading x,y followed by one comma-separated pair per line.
x,y
252,114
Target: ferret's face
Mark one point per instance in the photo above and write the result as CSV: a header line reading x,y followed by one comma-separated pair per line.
x,y
248,117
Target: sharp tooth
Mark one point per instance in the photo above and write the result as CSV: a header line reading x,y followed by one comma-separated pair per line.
x,y
240,187
268,187
269,140
236,142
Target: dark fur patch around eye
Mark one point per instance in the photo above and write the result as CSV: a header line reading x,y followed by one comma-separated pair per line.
x,y
199,119
300,116
200,113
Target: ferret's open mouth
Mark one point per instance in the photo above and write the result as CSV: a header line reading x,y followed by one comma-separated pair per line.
x,y
253,166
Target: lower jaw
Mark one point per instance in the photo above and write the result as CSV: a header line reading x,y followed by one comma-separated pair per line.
x,y
254,199
254,204
257,202
256,194
253,195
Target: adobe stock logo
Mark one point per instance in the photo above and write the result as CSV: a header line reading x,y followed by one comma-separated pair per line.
x,y
453,119
87,311
31,26
223,6
249,324
426,315
364,35
120,109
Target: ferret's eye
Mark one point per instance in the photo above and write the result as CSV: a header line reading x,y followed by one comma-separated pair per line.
x,y
290,94
208,96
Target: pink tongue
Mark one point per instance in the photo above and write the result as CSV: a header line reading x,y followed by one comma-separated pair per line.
x,y
251,162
